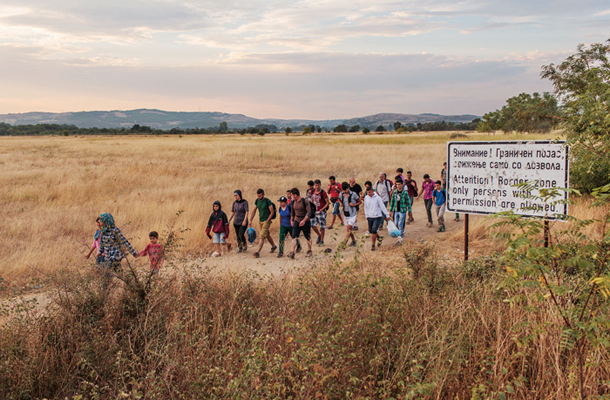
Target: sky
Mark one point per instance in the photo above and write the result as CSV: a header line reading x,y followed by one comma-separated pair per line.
x,y
312,59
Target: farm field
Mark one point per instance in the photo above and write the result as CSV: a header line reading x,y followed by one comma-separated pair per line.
x,y
402,322
53,188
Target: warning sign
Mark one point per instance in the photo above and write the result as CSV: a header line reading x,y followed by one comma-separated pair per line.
x,y
481,176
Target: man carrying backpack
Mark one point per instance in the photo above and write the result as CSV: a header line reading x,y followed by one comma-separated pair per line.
x,y
334,190
349,201
266,213
301,214
383,187
440,198
320,199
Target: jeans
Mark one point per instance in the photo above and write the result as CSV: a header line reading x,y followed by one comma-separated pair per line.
x,y
240,232
336,209
375,224
440,212
428,203
399,220
284,230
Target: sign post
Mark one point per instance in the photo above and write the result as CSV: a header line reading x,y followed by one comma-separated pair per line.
x,y
481,178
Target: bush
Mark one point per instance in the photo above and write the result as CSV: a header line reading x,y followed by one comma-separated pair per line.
x,y
456,135
363,329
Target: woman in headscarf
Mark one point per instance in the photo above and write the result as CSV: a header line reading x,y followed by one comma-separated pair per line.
x,y
240,223
113,244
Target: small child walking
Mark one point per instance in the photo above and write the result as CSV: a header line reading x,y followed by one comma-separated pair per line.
x,y
99,258
154,250
440,198
219,225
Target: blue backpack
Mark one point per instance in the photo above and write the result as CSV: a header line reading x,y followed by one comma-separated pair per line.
x,y
251,235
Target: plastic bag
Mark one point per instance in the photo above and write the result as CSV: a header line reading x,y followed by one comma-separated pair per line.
x,y
393,230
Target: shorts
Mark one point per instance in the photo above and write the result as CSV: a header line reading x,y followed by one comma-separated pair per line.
x,y
320,219
219,238
350,221
336,208
375,224
265,225
306,229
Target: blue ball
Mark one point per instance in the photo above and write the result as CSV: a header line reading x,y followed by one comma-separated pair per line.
x,y
251,235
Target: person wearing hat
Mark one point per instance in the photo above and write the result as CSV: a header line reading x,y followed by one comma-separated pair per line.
x,y
285,224
427,187
239,215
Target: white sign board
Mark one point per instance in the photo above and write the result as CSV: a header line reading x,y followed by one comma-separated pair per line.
x,y
481,175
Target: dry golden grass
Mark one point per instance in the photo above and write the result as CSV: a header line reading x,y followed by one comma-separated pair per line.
x,y
53,188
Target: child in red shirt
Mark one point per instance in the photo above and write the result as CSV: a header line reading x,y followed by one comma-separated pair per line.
x,y
154,250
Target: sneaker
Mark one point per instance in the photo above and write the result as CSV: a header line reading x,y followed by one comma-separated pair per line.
x,y
299,247
441,229
239,250
353,244
329,227
309,253
354,228
256,255
280,255
373,248
273,249
228,246
319,240
367,234
291,255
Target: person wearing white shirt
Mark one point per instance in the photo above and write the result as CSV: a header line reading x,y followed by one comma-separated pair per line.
x,y
375,212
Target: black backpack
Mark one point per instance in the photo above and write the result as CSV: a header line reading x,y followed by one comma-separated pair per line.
x,y
274,211
312,209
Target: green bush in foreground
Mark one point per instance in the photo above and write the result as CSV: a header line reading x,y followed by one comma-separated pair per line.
x,y
416,328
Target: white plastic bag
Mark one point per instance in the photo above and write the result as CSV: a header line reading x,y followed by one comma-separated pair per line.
x,y
392,229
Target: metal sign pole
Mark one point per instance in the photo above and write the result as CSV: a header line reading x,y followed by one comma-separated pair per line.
x,y
466,237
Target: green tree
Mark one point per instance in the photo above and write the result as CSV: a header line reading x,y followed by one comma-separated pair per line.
x,y
340,128
380,128
366,130
582,83
307,130
490,122
397,125
288,129
355,128
223,127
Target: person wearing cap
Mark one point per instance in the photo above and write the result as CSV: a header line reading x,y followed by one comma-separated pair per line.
x,y
427,187
239,215
285,223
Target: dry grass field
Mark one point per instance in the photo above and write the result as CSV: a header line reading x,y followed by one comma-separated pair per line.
x,y
53,188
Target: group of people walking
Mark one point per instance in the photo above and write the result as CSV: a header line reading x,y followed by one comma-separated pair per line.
x,y
384,200
301,214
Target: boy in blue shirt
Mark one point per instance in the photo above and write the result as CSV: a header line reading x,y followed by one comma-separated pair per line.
x,y
440,198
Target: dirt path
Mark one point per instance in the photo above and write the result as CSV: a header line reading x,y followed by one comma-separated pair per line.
x,y
269,264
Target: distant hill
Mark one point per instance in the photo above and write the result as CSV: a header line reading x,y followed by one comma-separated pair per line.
x,y
177,119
